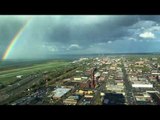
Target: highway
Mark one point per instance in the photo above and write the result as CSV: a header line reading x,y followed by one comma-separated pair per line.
x,y
30,99
20,83
16,90
7,94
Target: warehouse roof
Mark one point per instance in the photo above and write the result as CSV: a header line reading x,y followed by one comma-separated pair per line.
x,y
59,92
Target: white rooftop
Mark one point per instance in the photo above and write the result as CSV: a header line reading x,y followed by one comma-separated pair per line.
x,y
59,92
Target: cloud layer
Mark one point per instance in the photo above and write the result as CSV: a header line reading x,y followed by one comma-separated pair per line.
x,y
147,35
46,36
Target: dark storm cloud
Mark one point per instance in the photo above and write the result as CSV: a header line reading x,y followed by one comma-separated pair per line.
x,y
8,29
74,30
155,18
109,28
64,34
9,26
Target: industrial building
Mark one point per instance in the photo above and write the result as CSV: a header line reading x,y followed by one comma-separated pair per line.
x,y
71,100
85,92
132,78
143,97
142,84
87,99
59,92
78,78
85,84
116,88
119,81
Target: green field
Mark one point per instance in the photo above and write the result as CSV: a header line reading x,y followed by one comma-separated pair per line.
x,y
9,76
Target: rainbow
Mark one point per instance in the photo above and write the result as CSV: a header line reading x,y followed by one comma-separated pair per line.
x,y
15,39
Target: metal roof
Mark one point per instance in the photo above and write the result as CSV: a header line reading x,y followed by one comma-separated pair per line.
x,y
59,92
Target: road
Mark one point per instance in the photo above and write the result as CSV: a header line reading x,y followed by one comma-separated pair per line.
x,y
30,99
18,87
20,83
128,88
15,91
99,89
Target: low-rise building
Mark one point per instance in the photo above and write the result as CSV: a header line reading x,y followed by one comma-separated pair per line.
x,y
153,79
112,68
120,84
155,72
71,100
132,78
78,78
19,76
84,78
142,84
59,92
84,92
105,73
139,64
143,97
97,74
154,59
119,81
115,88
140,97
85,84
101,79
88,96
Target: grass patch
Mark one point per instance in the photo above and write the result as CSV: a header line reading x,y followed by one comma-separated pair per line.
x,y
9,76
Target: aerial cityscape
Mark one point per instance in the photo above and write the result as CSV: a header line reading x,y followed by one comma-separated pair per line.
x,y
79,60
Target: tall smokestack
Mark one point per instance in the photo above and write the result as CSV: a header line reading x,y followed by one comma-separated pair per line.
x,y
93,81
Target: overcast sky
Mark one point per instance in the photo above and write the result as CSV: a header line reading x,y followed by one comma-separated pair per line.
x,y
47,35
